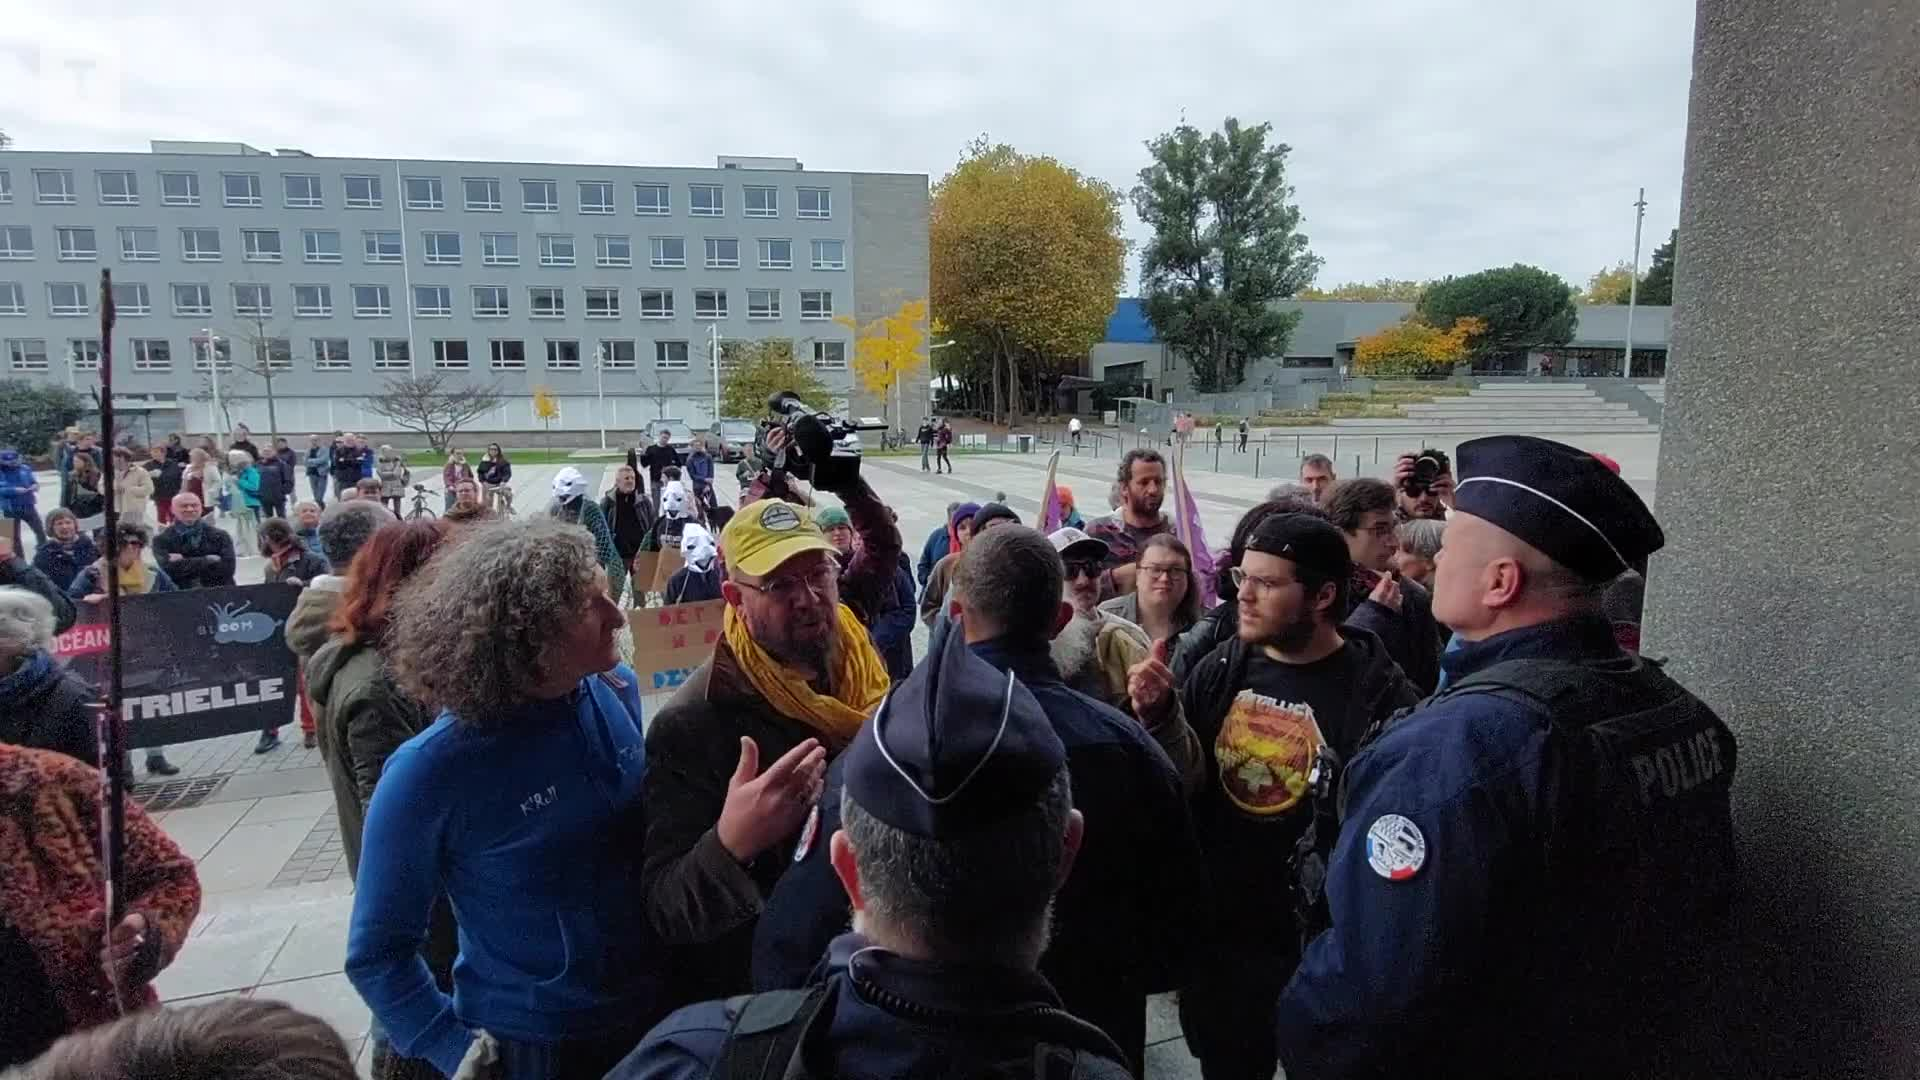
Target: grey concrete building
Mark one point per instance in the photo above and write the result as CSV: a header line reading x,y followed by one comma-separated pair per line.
x,y
1133,362
344,271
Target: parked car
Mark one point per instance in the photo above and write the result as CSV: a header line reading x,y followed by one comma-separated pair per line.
x,y
679,436
735,437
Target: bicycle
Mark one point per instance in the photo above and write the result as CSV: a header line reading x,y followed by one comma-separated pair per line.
x,y
421,511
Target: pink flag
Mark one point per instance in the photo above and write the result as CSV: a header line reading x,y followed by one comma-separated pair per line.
x,y
1050,510
1187,528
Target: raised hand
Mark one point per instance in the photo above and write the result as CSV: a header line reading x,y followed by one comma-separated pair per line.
x,y
764,808
1150,683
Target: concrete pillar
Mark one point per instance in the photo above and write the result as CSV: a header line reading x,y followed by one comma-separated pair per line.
x,y
1789,594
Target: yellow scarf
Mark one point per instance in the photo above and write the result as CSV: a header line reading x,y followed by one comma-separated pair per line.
x,y
132,580
856,671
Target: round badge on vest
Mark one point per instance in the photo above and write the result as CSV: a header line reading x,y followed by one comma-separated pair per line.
x,y
1395,848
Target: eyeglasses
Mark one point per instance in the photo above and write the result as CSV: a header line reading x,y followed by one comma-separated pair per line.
x,y
822,583
1246,582
1087,568
1175,573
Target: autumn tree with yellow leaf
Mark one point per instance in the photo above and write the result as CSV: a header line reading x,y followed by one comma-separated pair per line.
x,y
545,409
1410,349
888,350
1027,263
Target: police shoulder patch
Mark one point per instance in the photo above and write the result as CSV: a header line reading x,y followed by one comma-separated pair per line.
x,y
1395,848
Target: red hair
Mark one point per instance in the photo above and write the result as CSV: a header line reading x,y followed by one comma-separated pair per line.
x,y
390,556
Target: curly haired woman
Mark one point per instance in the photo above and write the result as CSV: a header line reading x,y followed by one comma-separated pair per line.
x,y
521,803
53,954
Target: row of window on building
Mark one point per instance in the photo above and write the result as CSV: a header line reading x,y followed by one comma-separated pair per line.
x,y
481,194
335,354
69,299
141,243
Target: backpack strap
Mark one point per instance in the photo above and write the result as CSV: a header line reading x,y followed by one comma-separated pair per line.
x,y
767,1034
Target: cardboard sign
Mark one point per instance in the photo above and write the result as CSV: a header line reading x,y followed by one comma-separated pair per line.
x,y
651,570
670,642
196,664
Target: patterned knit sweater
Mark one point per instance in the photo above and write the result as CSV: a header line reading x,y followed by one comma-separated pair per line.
x,y
52,873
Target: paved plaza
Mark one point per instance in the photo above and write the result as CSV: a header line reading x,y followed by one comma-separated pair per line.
x,y
262,828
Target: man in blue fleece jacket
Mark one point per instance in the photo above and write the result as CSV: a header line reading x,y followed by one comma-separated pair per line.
x,y
521,804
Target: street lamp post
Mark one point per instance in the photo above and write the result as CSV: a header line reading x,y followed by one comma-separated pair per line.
x,y
213,375
1633,282
713,349
600,389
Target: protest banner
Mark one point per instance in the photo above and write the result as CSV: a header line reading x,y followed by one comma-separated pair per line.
x,y
670,642
198,664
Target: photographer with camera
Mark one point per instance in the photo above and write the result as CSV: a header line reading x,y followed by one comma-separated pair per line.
x,y
1423,485
735,757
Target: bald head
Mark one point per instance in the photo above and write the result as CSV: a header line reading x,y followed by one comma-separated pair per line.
x,y
186,507
1487,581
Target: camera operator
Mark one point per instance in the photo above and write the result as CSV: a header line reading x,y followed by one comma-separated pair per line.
x,y
789,683
1423,485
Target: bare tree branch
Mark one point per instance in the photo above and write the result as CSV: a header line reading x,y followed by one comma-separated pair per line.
x,y
433,404
659,390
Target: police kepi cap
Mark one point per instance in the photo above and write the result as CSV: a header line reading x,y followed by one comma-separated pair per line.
x,y
767,533
1304,540
958,745
1562,500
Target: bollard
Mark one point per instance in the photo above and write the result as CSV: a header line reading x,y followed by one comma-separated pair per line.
x,y
1336,448
1256,464
1216,457
1296,446
1376,449
1356,464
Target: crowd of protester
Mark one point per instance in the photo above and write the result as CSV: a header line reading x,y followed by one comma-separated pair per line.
x,y
825,856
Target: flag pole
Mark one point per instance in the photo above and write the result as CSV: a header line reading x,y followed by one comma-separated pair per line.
x,y
112,725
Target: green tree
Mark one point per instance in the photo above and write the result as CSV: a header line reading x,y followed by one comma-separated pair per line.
x,y
32,413
1226,245
1610,286
753,371
1522,306
1657,286
1393,289
1027,262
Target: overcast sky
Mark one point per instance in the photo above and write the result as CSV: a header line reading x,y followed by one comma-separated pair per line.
x,y
1429,136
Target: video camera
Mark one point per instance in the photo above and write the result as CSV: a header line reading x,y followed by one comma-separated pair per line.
x,y
1428,466
822,448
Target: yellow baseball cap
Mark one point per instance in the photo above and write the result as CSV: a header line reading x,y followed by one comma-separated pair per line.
x,y
767,533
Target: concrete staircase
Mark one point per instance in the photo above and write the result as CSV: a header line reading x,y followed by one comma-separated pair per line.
x,y
1520,407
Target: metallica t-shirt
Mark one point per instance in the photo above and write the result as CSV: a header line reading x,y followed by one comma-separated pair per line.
x,y
1256,803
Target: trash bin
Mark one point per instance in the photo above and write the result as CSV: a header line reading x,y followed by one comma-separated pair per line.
x,y
1026,444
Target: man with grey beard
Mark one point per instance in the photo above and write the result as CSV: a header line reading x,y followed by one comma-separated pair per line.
x,y
1112,660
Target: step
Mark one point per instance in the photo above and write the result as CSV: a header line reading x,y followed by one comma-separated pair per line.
x,y
1533,388
1495,423
1481,404
1545,395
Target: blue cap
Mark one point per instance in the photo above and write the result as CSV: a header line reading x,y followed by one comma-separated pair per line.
x,y
1560,499
9,456
958,745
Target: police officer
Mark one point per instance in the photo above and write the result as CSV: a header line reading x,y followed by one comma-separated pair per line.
x,y
1139,879
1530,864
958,826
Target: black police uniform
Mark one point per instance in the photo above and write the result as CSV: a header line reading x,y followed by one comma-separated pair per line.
x,y
1530,864
954,747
